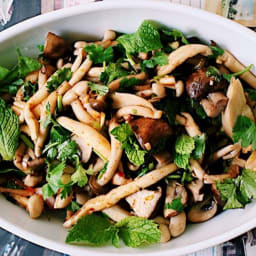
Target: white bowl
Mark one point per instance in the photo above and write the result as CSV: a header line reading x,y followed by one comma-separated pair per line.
x,y
91,21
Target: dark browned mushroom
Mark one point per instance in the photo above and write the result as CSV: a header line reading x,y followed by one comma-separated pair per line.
x,y
55,46
95,187
98,104
150,131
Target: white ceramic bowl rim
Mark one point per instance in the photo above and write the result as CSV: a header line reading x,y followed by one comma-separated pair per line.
x,y
64,13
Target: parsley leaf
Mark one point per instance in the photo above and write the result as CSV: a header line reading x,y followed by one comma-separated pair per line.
x,y
56,80
93,230
79,176
229,76
158,59
111,72
127,83
199,146
245,131
145,39
28,89
98,54
98,88
216,52
137,231
124,134
176,34
176,205
184,144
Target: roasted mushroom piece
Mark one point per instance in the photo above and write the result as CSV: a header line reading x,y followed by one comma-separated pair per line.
x,y
144,202
202,211
150,132
55,46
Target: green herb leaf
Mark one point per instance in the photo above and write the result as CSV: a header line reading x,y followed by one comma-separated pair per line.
x,y
248,183
12,170
9,131
40,47
98,54
229,76
26,65
145,39
79,176
61,75
127,83
98,88
73,206
214,72
112,71
103,170
3,73
252,94
92,230
28,89
67,150
158,59
184,144
199,146
245,131
122,132
138,232
182,161
216,52
176,205
176,34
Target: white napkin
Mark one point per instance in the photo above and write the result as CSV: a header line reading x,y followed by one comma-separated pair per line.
x,y
5,11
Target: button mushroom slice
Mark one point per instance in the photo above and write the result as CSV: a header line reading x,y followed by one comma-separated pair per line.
x,y
197,170
188,122
150,131
89,135
102,202
115,156
116,213
195,189
144,202
55,46
235,66
165,233
180,55
202,211
214,104
251,162
61,203
163,158
174,190
177,224
114,85
236,106
85,148
34,205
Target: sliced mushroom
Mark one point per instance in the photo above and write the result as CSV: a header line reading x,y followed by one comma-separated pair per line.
x,y
116,213
150,131
144,202
236,106
85,148
102,202
61,203
251,162
180,55
96,187
195,188
235,66
228,152
202,211
34,205
165,233
178,224
55,46
31,180
214,104
174,190
197,170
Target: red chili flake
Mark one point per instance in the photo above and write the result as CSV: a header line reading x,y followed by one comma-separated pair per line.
x,y
121,174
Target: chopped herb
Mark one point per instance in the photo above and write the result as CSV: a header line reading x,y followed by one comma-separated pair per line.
x,y
176,34
214,72
199,146
127,83
103,170
59,103
252,94
73,206
98,88
98,54
27,141
28,89
216,52
79,176
159,58
176,205
229,76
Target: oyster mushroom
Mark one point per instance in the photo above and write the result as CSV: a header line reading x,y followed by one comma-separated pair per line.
x,y
163,158
202,211
85,148
236,106
174,190
214,104
195,189
177,224
96,187
61,203
144,202
197,170
34,204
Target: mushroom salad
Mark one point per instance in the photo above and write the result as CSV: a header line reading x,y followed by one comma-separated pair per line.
x,y
133,136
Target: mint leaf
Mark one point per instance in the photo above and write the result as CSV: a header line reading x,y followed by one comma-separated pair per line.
x,y
184,144
245,131
138,232
98,54
79,176
26,65
122,132
9,131
93,230
98,88
158,59
176,205
199,146
127,83
67,150
145,39
112,71
176,34
61,75
248,183
182,161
